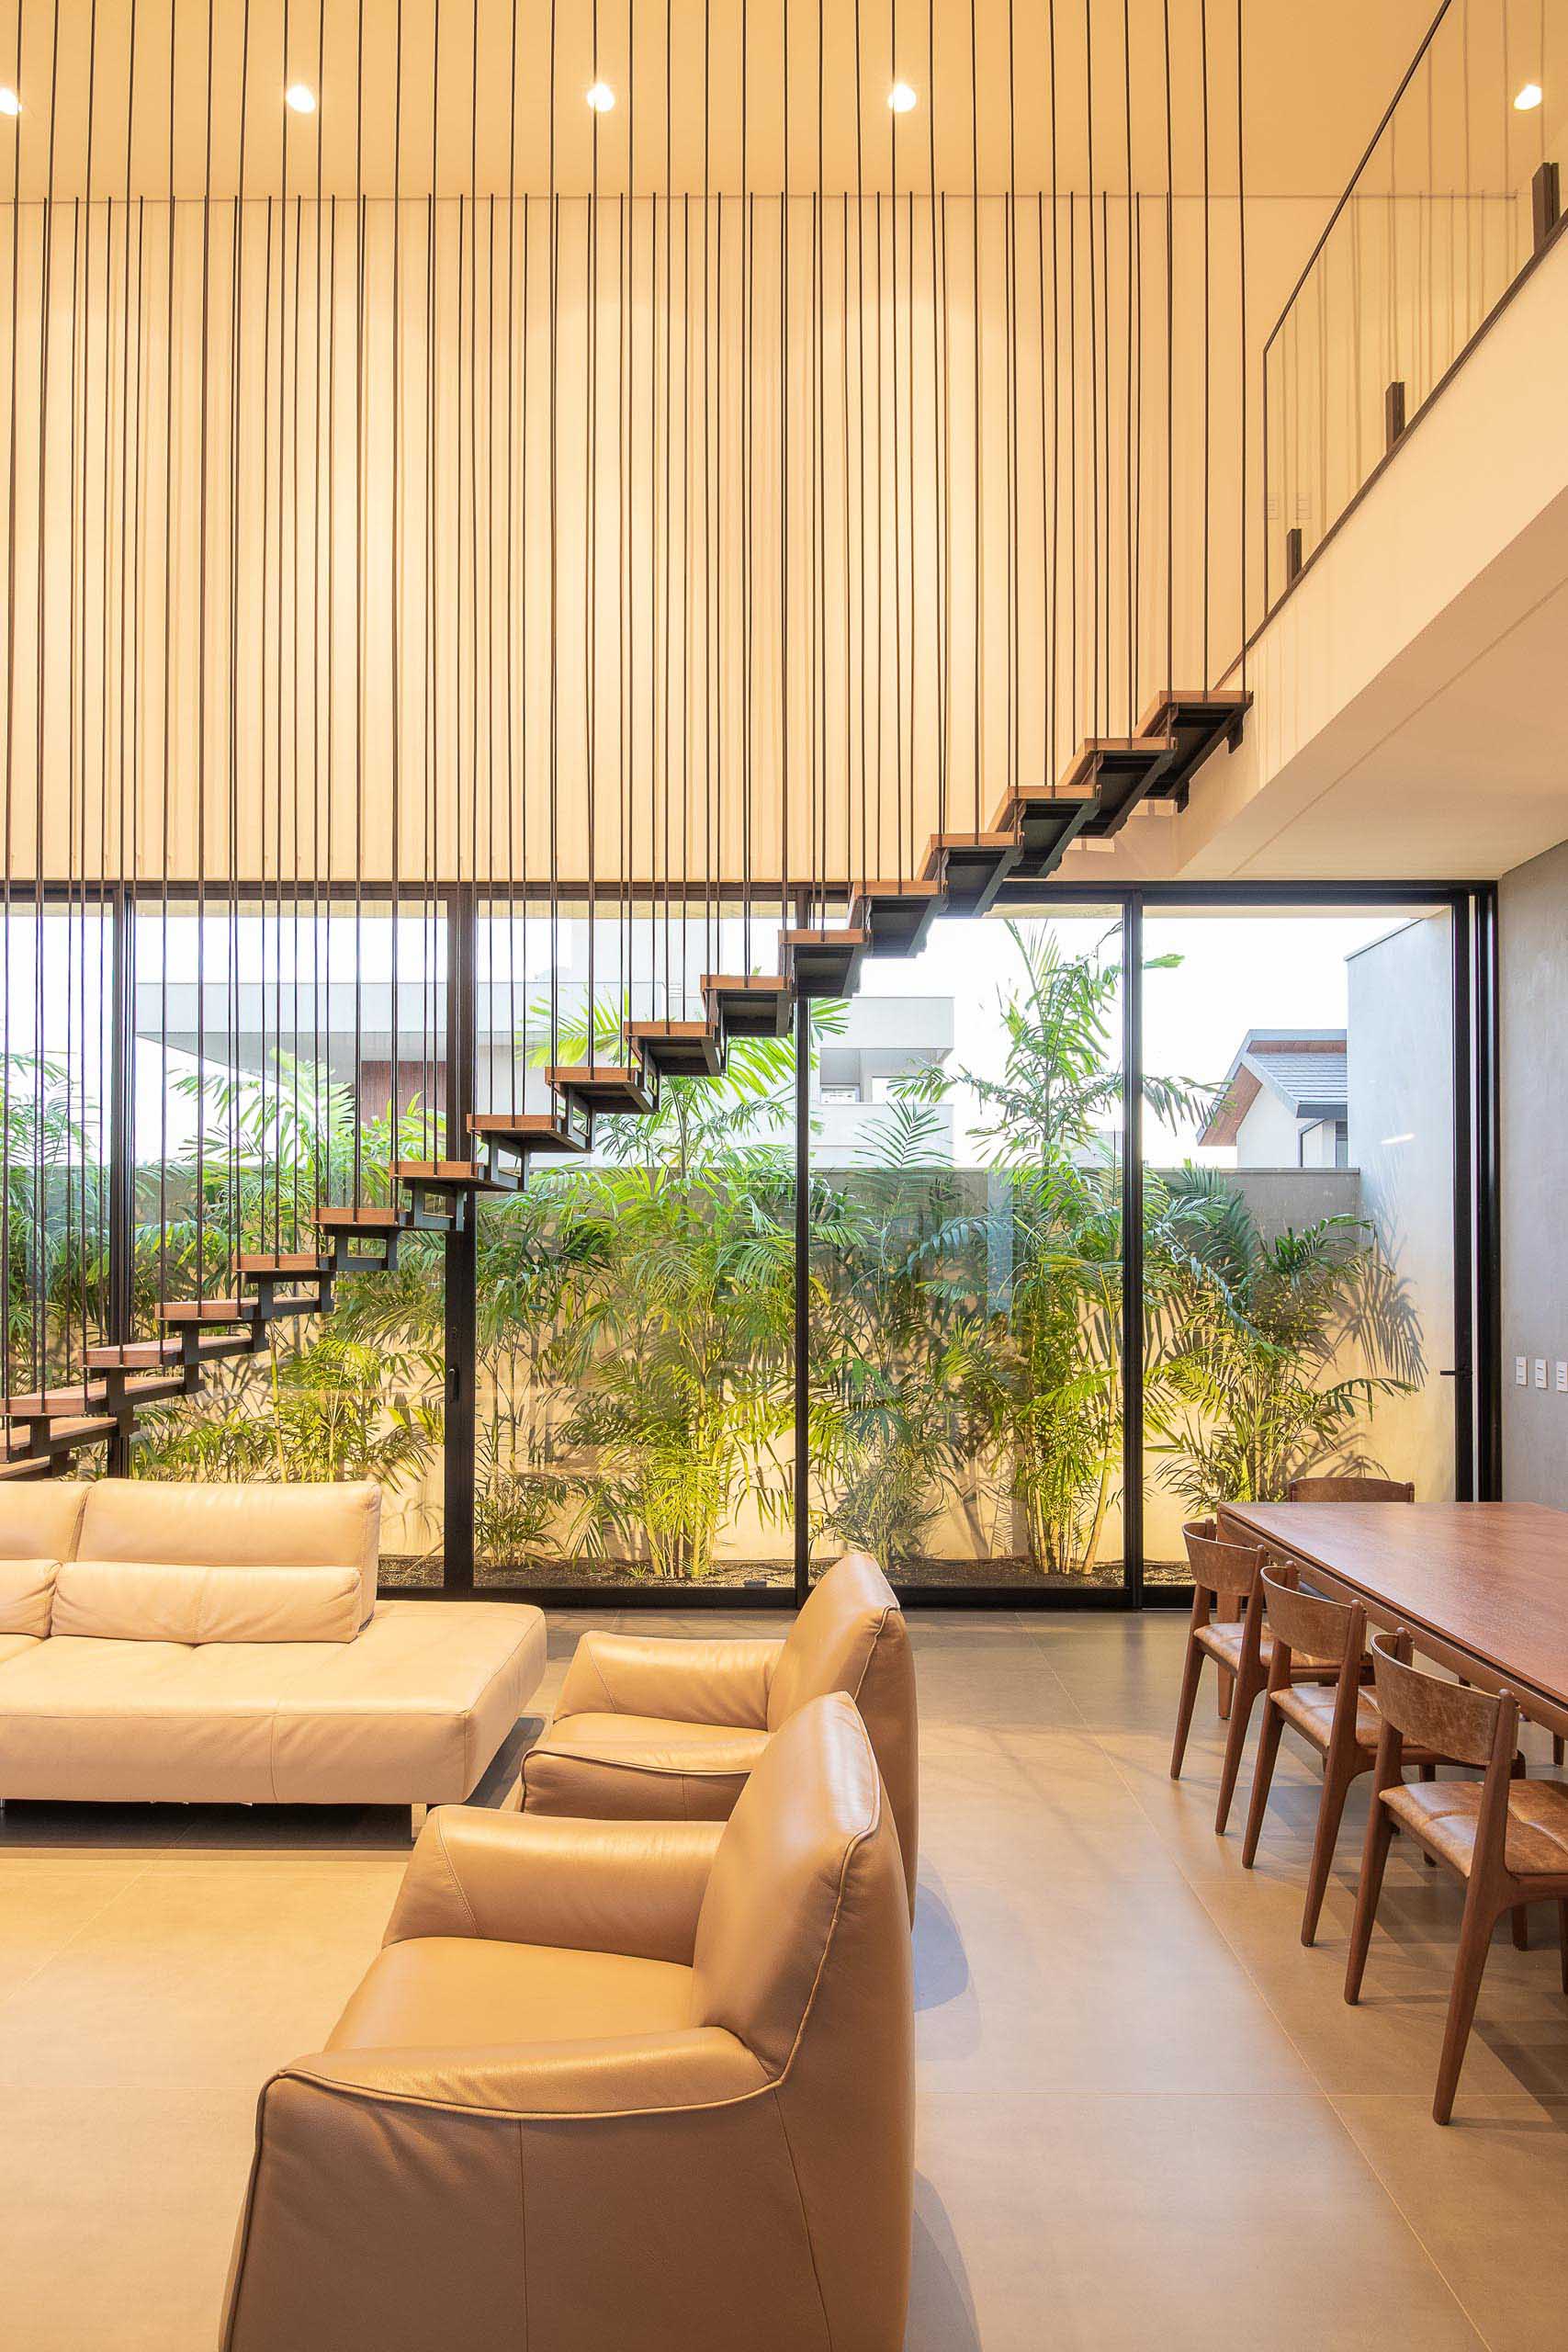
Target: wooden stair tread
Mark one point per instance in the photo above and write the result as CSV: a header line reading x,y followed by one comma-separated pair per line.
x,y
284,1261
178,1311
1067,802
1197,721
896,915
528,1131
350,1216
970,866
53,1404
86,1431
450,1175
749,1005
1119,769
135,1355
27,1465
1228,703
679,1048
613,1086
823,959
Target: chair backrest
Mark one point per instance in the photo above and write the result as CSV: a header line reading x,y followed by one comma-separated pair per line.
x,y
1349,1490
810,1842
803,1950
1446,1717
851,1636
1309,1624
850,1609
1229,1571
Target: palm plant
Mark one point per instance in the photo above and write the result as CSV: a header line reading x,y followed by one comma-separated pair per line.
x,y
890,1442
1245,1336
645,1308
52,1219
1040,1371
356,1396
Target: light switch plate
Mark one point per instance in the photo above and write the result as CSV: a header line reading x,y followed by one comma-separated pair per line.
x,y
1540,1372
1562,1383
1521,1372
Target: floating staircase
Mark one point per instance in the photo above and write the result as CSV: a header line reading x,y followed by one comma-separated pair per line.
x,y
960,874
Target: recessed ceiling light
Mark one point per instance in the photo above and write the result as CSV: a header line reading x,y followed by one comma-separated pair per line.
x,y
300,97
1528,99
901,98
9,102
601,97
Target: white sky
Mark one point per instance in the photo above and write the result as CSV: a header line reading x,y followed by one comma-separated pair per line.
x,y
1238,972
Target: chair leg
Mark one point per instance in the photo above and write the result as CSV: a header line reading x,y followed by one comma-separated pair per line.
x,y
1562,1939
1374,1854
1474,1937
1330,1814
1521,1926
1273,1724
1191,1667
1428,1772
1557,1749
1242,1700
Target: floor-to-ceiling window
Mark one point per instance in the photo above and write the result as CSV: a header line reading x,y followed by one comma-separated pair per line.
x,y
1302,1295
56,1082
286,1054
966,1268
1299,1188
634,1396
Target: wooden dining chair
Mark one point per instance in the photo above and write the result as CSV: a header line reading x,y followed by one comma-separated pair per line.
x,y
1349,1490
1225,1579
1504,1837
1338,1721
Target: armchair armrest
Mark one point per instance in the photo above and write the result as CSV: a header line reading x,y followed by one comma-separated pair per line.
x,y
392,2192
625,1886
690,1681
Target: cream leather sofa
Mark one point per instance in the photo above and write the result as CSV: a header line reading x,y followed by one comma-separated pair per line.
x,y
225,1644
610,2086
656,1729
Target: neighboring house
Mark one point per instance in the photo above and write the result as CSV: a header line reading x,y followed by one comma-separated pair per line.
x,y
1285,1100
883,1039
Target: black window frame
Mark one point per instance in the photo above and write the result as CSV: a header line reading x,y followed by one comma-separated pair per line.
x,y
1476,1371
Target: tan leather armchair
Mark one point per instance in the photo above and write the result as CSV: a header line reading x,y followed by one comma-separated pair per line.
x,y
645,2086
655,1729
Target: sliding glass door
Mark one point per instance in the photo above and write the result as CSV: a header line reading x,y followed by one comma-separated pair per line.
x,y
1299,1192
965,1258
1076,1249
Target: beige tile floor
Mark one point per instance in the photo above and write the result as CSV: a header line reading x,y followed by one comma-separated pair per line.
x,y
1147,2118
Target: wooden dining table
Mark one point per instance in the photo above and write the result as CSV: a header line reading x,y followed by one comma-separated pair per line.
x,y
1482,1588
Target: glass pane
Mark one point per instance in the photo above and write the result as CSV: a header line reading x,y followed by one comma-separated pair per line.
x,y
634,1384
967,1258
1299,1208
269,1062
55,1088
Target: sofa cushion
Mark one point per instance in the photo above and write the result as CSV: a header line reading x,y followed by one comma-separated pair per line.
x,y
408,1713
41,1519
26,1591
135,1600
639,1768
192,1525
15,1646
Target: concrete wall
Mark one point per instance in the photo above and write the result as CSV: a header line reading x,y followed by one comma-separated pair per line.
x,y
1534,1052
